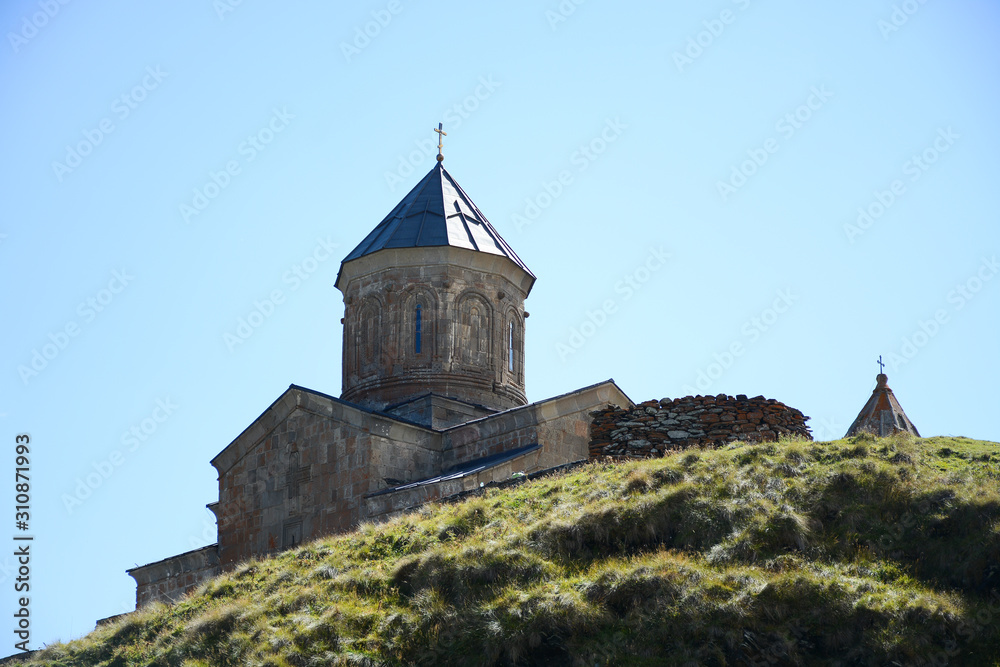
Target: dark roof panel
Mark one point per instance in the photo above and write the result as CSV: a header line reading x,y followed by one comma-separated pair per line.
x,y
464,470
436,212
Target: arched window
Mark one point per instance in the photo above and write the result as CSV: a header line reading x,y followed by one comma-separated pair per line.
x,y
510,346
369,335
417,329
513,340
477,333
368,338
418,324
474,332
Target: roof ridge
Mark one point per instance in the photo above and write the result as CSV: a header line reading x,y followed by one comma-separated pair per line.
x,y
482,219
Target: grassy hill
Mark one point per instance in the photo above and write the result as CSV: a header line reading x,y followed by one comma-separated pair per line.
x,y
854,552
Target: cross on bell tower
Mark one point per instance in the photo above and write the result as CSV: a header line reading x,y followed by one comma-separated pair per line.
x,y
441,135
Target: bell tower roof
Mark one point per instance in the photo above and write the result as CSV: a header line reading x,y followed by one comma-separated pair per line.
x,y
436,212
882,414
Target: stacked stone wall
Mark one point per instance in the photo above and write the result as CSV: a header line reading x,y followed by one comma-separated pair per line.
x,y
655,427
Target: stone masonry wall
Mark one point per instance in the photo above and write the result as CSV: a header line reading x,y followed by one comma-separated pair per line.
x,y
561,425
654,427
468,301
172,578
305,478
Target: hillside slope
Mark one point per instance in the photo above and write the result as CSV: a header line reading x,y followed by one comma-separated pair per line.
x,y
868,551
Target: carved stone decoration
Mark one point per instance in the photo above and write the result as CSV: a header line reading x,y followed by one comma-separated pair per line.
x,y
453,342
473,337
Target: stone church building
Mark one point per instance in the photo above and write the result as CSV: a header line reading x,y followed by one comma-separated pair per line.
x,y
433,398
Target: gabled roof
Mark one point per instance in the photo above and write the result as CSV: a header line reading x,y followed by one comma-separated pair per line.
x,y
882,414
436,212
296,397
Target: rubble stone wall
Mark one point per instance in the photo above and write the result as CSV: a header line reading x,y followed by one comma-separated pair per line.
x,y
655,427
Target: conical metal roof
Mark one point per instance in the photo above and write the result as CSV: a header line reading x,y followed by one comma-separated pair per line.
x,y
882,414
436,212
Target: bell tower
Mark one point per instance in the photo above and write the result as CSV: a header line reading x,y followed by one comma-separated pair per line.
x,y
882,415
434,304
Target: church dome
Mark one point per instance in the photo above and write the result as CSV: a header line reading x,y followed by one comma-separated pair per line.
x,y
434,305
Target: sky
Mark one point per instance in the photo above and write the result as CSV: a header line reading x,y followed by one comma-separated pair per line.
x,y
734,196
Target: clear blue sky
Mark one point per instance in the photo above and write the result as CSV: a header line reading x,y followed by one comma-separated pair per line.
x,y
739,138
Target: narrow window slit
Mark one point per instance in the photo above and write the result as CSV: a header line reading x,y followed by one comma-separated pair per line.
x,y
417,329
510,347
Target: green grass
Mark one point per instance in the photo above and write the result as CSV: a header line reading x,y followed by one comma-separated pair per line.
x,y
854,552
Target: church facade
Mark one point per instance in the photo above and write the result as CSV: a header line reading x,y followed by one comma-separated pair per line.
x,y
433,398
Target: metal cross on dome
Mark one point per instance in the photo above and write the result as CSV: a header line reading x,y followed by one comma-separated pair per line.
x,y
881,366
441,135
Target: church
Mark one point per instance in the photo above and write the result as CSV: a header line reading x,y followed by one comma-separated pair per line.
x,y
432,402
